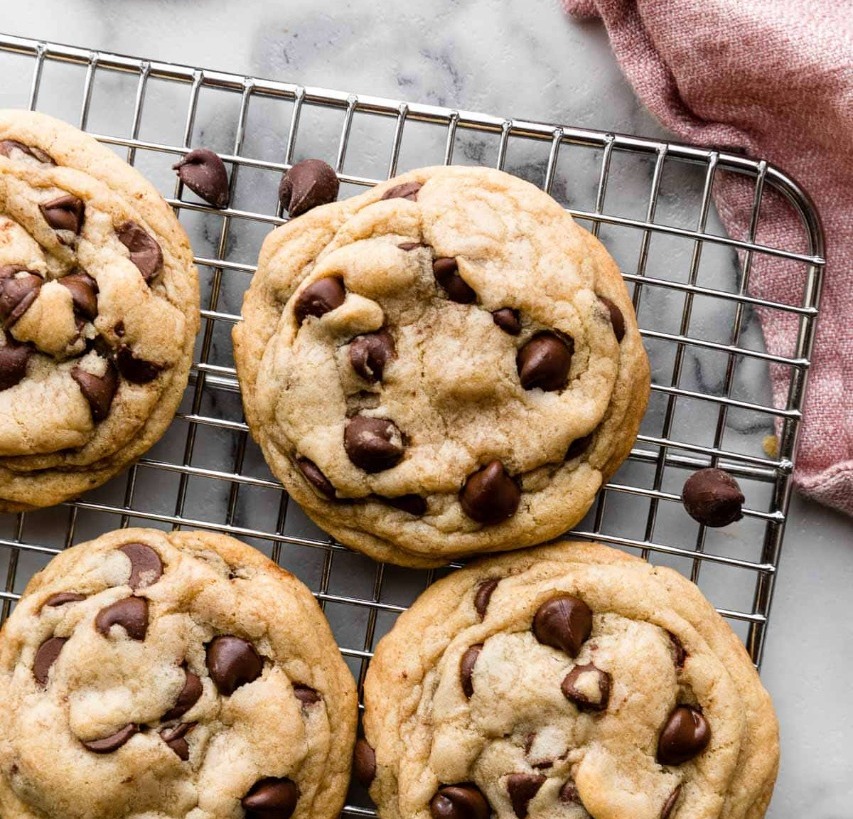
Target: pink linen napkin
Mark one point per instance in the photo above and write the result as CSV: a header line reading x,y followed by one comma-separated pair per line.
x,y
774,77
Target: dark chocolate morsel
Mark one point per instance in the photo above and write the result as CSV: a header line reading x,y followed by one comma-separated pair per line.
x,y
98,390
369,354
684,736
544,362
411,245
563,622
146,567
175,738
203,172
62,598
84,293
569,794
144,249
413,504
484,595
408,190
459,802
136,370
576,690
17,292
578,447
319,298
373,444
508,320
669,805
617,320
271,798
131,614
522,787
305,694
446,271
364,763
66,212
466,668
113,742
232,662
14,358
46,656
8,145
316,478
680,653
713,497
490,495
306,185
187,698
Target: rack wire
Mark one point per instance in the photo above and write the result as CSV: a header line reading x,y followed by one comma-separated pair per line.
x,y
650,201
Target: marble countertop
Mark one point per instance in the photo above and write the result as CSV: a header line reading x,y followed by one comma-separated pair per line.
x,y
526,59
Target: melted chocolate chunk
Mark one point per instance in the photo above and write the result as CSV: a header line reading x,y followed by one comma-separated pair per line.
x,y
684,736
369,354
8,145
306,695
19,288
146,567
669,805
508,320
232,662
98,390
63,598
306,185
464,801
14,358
411,245
679,652
446,271
84,293
617,320
713,497
578,447
569,794
544,361
113,742
319,298
373,444
271,798
46,656
175,738
484,595
136,370
563,622
131,614
490,495
522,787
203,172
578,682
187,698
66,212
316,478
364,763
466,668
145,252
408,190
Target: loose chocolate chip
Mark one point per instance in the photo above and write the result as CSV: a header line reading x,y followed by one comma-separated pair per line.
x,y
175,738
522,787
490,495
411,245
62,598
8,145
203,172
578,447
146,567
98,390
713,497
679,652
136,370
14,358
113,742
271,798
408,190
369,354
319,298
306,185
189,696
587,687
413,504
373,444
446,271
131,614
669,805
84,293
305,694
145,252
544,361
563,622
46,656
685,735
316,478
569,794
617,320
459,802
508,320
232,662
64,213
17,292
364,763
466,668
484,595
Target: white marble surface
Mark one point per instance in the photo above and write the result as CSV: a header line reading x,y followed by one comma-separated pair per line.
x,y
522,58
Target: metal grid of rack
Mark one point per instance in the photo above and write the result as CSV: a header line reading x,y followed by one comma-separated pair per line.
x,y
690,284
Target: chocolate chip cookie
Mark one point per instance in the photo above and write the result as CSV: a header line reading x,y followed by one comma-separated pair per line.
x,y
571,681
99,308
444,365
175,675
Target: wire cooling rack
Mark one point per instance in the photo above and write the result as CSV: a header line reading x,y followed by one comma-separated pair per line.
x,y
649,201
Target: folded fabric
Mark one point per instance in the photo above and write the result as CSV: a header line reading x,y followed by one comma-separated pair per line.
x,y
775,78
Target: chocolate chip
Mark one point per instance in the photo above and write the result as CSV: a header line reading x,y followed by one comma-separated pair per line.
x,y
113,742
174,737
14,358
508,320
490,495
617,320
544,361
84,293
713,497
131,614
466,668
364,763
411,245
578,447
587,687
98,390
459,802
369,354
408,190
319,298
119,329
563,622
569,794
17,292
522,787
64,213
316,478
146,567
306,185
271,798
46,656
305,694
484,595
679,652
62,598
373,444
685,735
188,697
8,145
203,172
145,252
413,504
136,370
232,662
669,805
446,271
